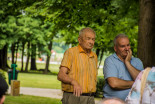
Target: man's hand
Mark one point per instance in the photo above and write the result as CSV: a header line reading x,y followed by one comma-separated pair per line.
x,y
77,88
128,57
63,76
132,70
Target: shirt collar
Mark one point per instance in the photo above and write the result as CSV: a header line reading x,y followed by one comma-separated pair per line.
x,y
115,56
82,51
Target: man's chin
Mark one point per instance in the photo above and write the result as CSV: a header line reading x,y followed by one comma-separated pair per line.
x,y
124,56
89,48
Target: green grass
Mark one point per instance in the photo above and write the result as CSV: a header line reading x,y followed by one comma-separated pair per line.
x,y
38,80
100,72
27,99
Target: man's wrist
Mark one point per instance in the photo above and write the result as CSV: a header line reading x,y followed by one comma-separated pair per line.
x,y
72,82
127,62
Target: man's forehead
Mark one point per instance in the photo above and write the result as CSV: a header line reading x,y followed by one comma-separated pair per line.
x,y
122,40
89,33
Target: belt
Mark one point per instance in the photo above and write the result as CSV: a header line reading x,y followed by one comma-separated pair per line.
x,y
88,94
84,94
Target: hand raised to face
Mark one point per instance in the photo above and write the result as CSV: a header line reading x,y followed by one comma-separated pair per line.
x,y
129,55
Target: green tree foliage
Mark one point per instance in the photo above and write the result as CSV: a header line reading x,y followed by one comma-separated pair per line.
x,y
38,22
107,18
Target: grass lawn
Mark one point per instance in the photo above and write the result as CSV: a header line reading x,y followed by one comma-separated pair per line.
x,y
27,99
38,80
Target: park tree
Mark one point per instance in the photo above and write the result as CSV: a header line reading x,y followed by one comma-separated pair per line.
x,y
107,18
8,32
9,11
64,18
32,35
49,32
146,35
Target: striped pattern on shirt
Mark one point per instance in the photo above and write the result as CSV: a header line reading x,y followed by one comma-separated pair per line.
x,y
82,68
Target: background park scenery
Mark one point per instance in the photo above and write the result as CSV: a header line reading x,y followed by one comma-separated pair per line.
x,y
34,34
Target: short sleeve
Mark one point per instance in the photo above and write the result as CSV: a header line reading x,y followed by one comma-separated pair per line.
x,y
109,69
137,63
67,59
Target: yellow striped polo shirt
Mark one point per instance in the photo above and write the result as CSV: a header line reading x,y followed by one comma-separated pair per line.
x,y
82,68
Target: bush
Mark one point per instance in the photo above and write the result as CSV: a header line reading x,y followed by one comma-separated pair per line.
x,y
2,73
99,86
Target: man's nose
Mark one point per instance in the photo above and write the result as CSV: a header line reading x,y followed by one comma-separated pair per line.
x,y
92,41
127,48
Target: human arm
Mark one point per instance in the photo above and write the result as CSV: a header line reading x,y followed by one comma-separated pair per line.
x,y
63,76
115,73
2,99
132,70
119,84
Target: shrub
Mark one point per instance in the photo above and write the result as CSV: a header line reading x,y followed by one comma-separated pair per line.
x,y
2,73
99,86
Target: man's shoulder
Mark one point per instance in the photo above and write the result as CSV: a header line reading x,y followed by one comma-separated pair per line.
x,y
136,59
72,49
110,57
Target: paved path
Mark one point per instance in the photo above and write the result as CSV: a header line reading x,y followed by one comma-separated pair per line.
x,y
52,93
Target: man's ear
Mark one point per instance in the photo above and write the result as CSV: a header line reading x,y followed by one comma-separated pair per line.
x,y
79,39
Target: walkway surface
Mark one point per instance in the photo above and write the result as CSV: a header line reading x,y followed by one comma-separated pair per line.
x,y
52,93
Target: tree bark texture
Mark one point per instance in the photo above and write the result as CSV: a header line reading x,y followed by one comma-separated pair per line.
x,y
48,57
13,52
33,58
3,57
16,49
28,56
146,35
22,62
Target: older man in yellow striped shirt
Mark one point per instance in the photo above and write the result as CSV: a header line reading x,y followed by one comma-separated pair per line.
x,y
78,70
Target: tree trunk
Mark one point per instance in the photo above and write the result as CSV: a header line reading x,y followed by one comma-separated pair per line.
x,y
3,57
28,57
101,56
33,58
16,49
13,52
23,46
48,57
146,35
97,52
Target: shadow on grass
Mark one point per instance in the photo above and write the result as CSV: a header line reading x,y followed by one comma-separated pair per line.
x,y
40,71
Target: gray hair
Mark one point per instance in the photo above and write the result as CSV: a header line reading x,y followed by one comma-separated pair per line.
x,y
113,98
119,36
87,29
